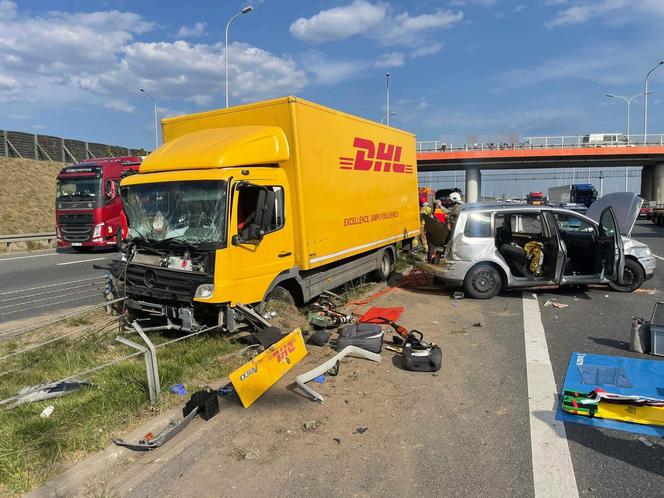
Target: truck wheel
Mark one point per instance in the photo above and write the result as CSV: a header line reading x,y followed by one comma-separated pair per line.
x,y
633,277
482,282
385,267
280,293
83,249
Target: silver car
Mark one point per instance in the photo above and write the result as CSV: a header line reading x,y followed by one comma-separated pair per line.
x,y
497,247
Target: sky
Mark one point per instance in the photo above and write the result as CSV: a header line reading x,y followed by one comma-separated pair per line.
x,y
460,70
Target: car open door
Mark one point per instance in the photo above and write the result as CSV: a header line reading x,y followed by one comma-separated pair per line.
x,y
612,247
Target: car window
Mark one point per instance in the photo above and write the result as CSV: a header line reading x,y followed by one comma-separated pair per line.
x,y
478,225
528,223
570,223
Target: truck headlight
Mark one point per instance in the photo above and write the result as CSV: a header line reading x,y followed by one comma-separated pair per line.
x,y
641,252
204,291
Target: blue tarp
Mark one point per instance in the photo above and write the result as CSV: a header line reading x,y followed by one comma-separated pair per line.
x,y
615,374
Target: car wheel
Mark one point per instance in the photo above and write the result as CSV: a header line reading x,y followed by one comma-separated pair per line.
x,y
280,293
482,282
633,277
384,270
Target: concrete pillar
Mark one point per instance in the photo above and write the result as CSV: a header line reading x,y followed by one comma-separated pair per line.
x,y
658,184
647,182
472,184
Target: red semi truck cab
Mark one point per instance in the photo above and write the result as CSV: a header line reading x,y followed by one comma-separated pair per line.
x,y
88,208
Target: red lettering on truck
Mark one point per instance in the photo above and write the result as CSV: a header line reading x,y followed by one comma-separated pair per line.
x,y
371,157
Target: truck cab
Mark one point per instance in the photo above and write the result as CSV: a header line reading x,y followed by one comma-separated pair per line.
x,y
88,208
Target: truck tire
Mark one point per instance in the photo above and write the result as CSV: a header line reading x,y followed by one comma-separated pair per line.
x,y
280,293
633,276
385,267
483,281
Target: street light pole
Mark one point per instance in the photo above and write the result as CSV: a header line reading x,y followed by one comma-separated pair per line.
x,y
156,122
645,103
246,10
629,101
387,114
393,113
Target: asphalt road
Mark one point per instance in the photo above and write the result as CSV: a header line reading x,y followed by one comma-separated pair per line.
x,y
46,282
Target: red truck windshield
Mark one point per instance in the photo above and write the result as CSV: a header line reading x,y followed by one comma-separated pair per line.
x,y
78,189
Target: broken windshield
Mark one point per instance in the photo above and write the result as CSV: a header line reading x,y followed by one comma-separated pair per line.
x,y
185,212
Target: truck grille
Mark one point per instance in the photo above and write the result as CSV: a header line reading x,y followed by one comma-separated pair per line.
x,y
76,233
164,284
75,218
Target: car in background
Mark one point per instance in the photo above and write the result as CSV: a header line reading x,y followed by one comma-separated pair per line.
x,y
645,213
501,246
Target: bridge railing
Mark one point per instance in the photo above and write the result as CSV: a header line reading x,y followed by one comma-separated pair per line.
x,y
554,142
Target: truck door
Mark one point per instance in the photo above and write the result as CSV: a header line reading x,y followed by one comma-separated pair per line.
x,y
611,247
258,255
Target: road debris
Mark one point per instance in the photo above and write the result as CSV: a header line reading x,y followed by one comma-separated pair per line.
x,y
555,304
330,364
40,392
178,389
360,430
150,442
46,412
478,324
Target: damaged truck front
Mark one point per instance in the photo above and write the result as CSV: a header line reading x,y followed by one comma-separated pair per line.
x,y
279,199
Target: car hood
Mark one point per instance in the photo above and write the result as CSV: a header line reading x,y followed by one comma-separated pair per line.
x,y
626,206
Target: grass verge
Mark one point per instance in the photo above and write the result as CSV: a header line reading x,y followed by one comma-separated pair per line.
x,y
34,449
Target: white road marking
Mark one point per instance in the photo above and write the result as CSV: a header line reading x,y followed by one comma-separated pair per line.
x,y
553,473
58,284
658,257
81,261
26,257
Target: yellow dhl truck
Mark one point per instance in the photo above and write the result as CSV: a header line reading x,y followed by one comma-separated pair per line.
x,y
278,199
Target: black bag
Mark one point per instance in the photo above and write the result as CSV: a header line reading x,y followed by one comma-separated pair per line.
x,y
207,403
419,356
367,336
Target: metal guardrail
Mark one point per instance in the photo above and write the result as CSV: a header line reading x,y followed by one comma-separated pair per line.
x,y
557,142
27,237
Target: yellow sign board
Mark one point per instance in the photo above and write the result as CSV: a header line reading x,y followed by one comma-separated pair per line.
x,y
255,377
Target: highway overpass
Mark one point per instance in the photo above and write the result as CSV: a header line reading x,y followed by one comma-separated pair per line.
x,y
549,153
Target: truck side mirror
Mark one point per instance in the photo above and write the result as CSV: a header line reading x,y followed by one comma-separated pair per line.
x,y
111,193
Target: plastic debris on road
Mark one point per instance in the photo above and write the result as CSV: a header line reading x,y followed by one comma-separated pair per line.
x,y
46,412
178,389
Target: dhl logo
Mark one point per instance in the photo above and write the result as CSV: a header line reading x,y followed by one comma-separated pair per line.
x,y
283,351
385,157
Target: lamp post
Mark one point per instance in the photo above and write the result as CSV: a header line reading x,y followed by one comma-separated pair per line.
x,y
393,113
387,114
156,122
645,103
246,10
629,101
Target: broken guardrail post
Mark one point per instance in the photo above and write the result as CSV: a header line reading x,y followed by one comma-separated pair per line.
x,y
150,361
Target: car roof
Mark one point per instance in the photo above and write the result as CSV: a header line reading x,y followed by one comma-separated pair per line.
x,y
508,207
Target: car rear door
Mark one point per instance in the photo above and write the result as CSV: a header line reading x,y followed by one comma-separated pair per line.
x,y
612,247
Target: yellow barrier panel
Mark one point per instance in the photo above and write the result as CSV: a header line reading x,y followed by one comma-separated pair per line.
x,y
255,377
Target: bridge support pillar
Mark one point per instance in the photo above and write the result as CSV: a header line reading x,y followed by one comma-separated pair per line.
x,y
472,184
647,183
658,184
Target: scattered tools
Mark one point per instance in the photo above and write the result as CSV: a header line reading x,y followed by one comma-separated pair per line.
x,y
326,315
418,355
